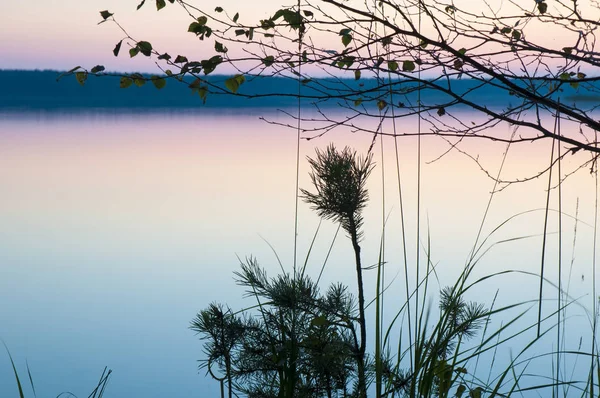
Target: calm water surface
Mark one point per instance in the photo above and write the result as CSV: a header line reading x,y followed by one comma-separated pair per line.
x,y
116,229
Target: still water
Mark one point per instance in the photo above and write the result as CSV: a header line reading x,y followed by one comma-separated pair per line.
x,y
116,229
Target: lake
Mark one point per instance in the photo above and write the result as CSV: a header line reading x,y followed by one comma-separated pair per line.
x,y
117,228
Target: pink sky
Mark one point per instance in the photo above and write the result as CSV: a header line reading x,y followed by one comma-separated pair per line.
x,y
53,34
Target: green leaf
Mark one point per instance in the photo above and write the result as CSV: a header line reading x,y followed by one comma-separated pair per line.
x,y
202,20
304,56
581,75
356,74
234,83
180,59
344,32
105,14
462,51
158,82
239,32
164,56
574,84
308,13
346,39
236,17
140,5
145,48
160,4
458,64
381,104
219,9
460,390
268,60
516,34
133,51
219,47
392,65
117,48
357,102
139,82
475,393
81,77
306,81
125,82
408,66
506,30
203,92
97,68
564,76
423,44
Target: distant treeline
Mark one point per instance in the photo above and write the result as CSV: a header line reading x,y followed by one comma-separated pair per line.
x,y
35,90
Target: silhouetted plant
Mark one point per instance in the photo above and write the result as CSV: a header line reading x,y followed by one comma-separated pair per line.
x,y
340,178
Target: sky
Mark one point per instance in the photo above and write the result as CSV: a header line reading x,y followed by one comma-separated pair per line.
x,y
59,35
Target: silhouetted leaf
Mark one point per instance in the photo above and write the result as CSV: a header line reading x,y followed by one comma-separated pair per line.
x,y
307,13
319,321
145,48
180,59
357,102
356,74
462,51
239,32
516,34
581,75
164,56
133,51
158,82
346,39
381,104
234,83
219,9
202,20
105,14
408,66
219,47
542,7
97,68
392,65
236,17
441,111
458,64
140,5
160,4
268,60
567,50
460,390
117,48
125,82
81,77
139,82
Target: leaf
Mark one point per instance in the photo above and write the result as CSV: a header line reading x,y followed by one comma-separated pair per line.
x,y
567,50
581,75
306,81
408,66
236,17
158,82
202,92
125,82
308,13
516,34
506,30
460,390
117,48
139,82
462,51
346,39
219,47
356,74
250,33
219,9
357,102
319,321
234,83
304,56
81,77
458,64
423,44
164,56
105,14
180,59
564,76
140,5
268,60
133,51
202,20
475,393
381,104
239,32
145,48
392,65
574,84
97,68
542,7
441,111
160,4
